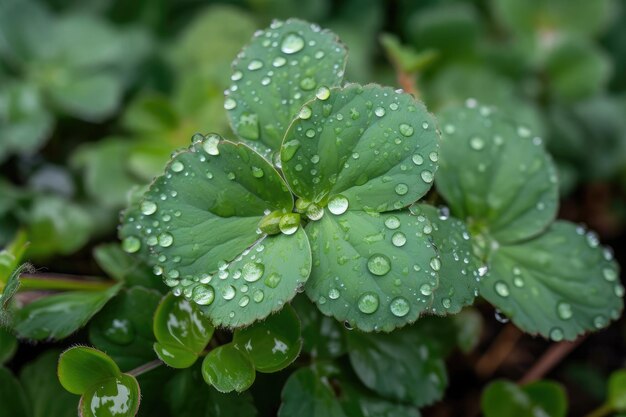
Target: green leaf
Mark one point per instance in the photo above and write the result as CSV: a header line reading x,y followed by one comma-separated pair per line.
x,y
322,336
356,401
405,57
45,394
371,146
80,368
8,291
495,175
8,345
503,398
112,397
469,323
189,396
181,331
121,266
123,329
307,395
401,366
376,272
458,272
11,255
12,396
280,70
272,344
228,369
58,316
617,390
560,284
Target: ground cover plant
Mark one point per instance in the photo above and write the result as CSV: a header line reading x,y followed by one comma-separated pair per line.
x,y
332,246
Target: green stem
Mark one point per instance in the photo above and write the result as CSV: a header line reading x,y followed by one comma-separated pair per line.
x,y
61,282
146,367
604,410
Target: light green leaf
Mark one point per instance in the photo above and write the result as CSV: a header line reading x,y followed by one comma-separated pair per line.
x,y
8,345
617,390
307,395
495,175
401,366
82,367
281,69
58,316
181,331
376,272
112,397
503,398
228,369
272,344
12,396
11,256
123,333
371,146
560,284
458,272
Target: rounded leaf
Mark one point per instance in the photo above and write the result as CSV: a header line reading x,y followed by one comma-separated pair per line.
x,y
495,175
370,146
272,344
181,330
281,69
617,390
373,271
80,368
560,284
504,398
113,397
228,369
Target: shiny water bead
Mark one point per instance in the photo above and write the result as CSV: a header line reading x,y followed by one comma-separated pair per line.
x,y
323,93
379,264
406,130
252,271
177,166
229,103
501,289
255,65
399,307
292,43
379,111
203,295
131,244
148,207
165,240
338,205
211,143
427,176
368,302
305,113
564,310
398,239
392,222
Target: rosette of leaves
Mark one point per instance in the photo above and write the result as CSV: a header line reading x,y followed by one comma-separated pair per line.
x,y
551,278
311,195
73,64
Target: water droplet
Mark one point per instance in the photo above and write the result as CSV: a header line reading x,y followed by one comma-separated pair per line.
x,y
131,244
279,61
310,133
148,207
619,290
599,322
203,295
272,280
502,289
426,289
333,293
165,240
338,204
292,43
244,301
323,93
237,75
406,130
379,111
399,307
230,103
435,264
556,334
253,271
500,317
393,106
609,274
564,310
305,113
289,223
398,239
392,222
258,296
446,303
314,212
177,166
228,293
257,172
255,64
379,264
433,156
210,145
417,159
368,303
120,331
477,143
427,176
308,83
402,189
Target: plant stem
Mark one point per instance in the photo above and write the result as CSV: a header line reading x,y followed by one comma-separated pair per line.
x,y
551,358
61,282
603,410
498,351
146,367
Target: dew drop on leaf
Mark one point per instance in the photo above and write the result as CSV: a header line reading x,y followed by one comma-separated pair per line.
x,y
379,264
165,240
279,61
210,145
305,113
556,334
307,83
203,294
406,130
292,43
148,207
368,303
272,280
392,222
228,292
477,143
131,244
323,93
399,307
253,271
258,296
502,289
177,166
255,64
398,239
230,103
379,111
338,205
333,293
402,189
564,310
435,264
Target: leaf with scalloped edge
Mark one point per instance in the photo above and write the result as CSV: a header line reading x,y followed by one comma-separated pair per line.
x,y
181,330
276,73
458,273
494,174
560,284
372,147
228,369
375,271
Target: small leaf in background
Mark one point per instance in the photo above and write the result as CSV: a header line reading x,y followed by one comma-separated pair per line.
x,y
469,323
11,256
123,329
8,345
181,331
307,395
272,344
401,366
58,316
458,272
560,284
104,389
283,67
617,391
12,395
504,398
404,57
495,175
228,369
370,146
8,292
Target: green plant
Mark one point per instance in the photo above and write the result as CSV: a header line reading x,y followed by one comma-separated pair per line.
x,y
319,193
